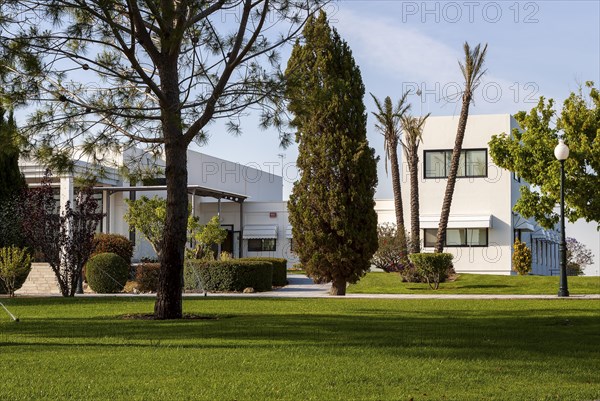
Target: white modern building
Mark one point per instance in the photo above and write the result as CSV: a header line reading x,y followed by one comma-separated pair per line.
x,y
482,226
481,230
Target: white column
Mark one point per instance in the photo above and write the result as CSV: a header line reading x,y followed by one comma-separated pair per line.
x,y
66,192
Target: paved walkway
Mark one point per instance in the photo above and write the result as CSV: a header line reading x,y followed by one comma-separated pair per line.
x,y
301,286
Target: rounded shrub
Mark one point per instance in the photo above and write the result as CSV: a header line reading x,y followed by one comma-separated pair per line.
x,y
279,269
107,273
146,276
434,267
230,275
113,243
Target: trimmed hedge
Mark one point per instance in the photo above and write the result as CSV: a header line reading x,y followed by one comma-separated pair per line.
x,y
146,276
434,267
229,275
107,273
279,269
113,243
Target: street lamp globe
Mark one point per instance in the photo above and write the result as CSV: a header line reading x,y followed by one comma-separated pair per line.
x,y
561,151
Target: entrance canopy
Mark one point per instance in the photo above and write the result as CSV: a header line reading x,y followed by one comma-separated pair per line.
x,y
196,190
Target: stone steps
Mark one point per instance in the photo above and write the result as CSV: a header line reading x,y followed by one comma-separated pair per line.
x,y
41,281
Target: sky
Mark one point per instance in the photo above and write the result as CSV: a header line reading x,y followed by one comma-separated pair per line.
x,y
535,48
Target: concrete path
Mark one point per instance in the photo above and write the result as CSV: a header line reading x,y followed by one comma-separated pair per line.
x,y
301,286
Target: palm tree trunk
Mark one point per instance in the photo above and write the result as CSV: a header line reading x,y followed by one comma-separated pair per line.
x,y
396,186
460,135
415,228
401,230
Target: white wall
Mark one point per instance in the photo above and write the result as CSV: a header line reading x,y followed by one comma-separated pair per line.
x,y
472,196
233,177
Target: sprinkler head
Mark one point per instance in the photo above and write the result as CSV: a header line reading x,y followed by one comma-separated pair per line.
x,y
17,320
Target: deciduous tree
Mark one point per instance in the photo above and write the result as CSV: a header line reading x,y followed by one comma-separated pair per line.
x,y
331,206
529,152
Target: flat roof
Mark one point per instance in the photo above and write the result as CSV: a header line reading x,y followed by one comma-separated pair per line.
x,y
197,190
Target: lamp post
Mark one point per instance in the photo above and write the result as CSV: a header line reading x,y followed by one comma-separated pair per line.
x,y
561,152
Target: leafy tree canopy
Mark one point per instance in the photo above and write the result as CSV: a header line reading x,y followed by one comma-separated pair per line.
x,y
530,153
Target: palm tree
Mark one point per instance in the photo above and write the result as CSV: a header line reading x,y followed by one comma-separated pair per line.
x,y
472,71
412,138
388,124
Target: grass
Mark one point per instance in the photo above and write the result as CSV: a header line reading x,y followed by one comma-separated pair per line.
x,y
390,283
301,349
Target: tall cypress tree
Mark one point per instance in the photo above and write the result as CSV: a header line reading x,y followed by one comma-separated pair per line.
x,y
331,206
12,183
11,179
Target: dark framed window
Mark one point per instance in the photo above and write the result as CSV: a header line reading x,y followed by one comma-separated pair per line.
x,y
458,237
472,163
516,177
262,245
291,245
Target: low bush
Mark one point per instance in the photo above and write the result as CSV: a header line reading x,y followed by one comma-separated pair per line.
x,y
389,256
146,275
113,243
15,265
279,269
231,275
107,273
434,267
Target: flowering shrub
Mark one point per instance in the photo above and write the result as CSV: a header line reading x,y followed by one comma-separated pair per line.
x,y
389,255
521,260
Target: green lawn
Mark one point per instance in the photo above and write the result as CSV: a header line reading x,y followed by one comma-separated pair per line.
x,y
390,283
302,349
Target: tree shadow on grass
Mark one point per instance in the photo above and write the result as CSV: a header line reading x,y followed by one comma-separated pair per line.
x,y
482,334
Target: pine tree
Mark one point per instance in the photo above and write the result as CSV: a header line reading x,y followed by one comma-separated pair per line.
x,y
331,206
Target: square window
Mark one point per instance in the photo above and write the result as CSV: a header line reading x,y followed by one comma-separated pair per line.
x,y
435,164
455,237
262,245
430,237
476,163
477,236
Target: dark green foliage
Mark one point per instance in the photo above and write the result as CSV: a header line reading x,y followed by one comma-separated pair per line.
x,y
114,243
434,267
279,269
146,276
331,206
107,273
11,233
12,181
232,275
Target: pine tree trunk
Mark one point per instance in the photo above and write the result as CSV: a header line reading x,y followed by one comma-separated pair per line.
x,y
168,298
415,226
169,293
338,287
460,135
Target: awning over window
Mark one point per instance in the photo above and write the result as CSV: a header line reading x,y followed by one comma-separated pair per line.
x,y
458,221
524,226
260,232
288,232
